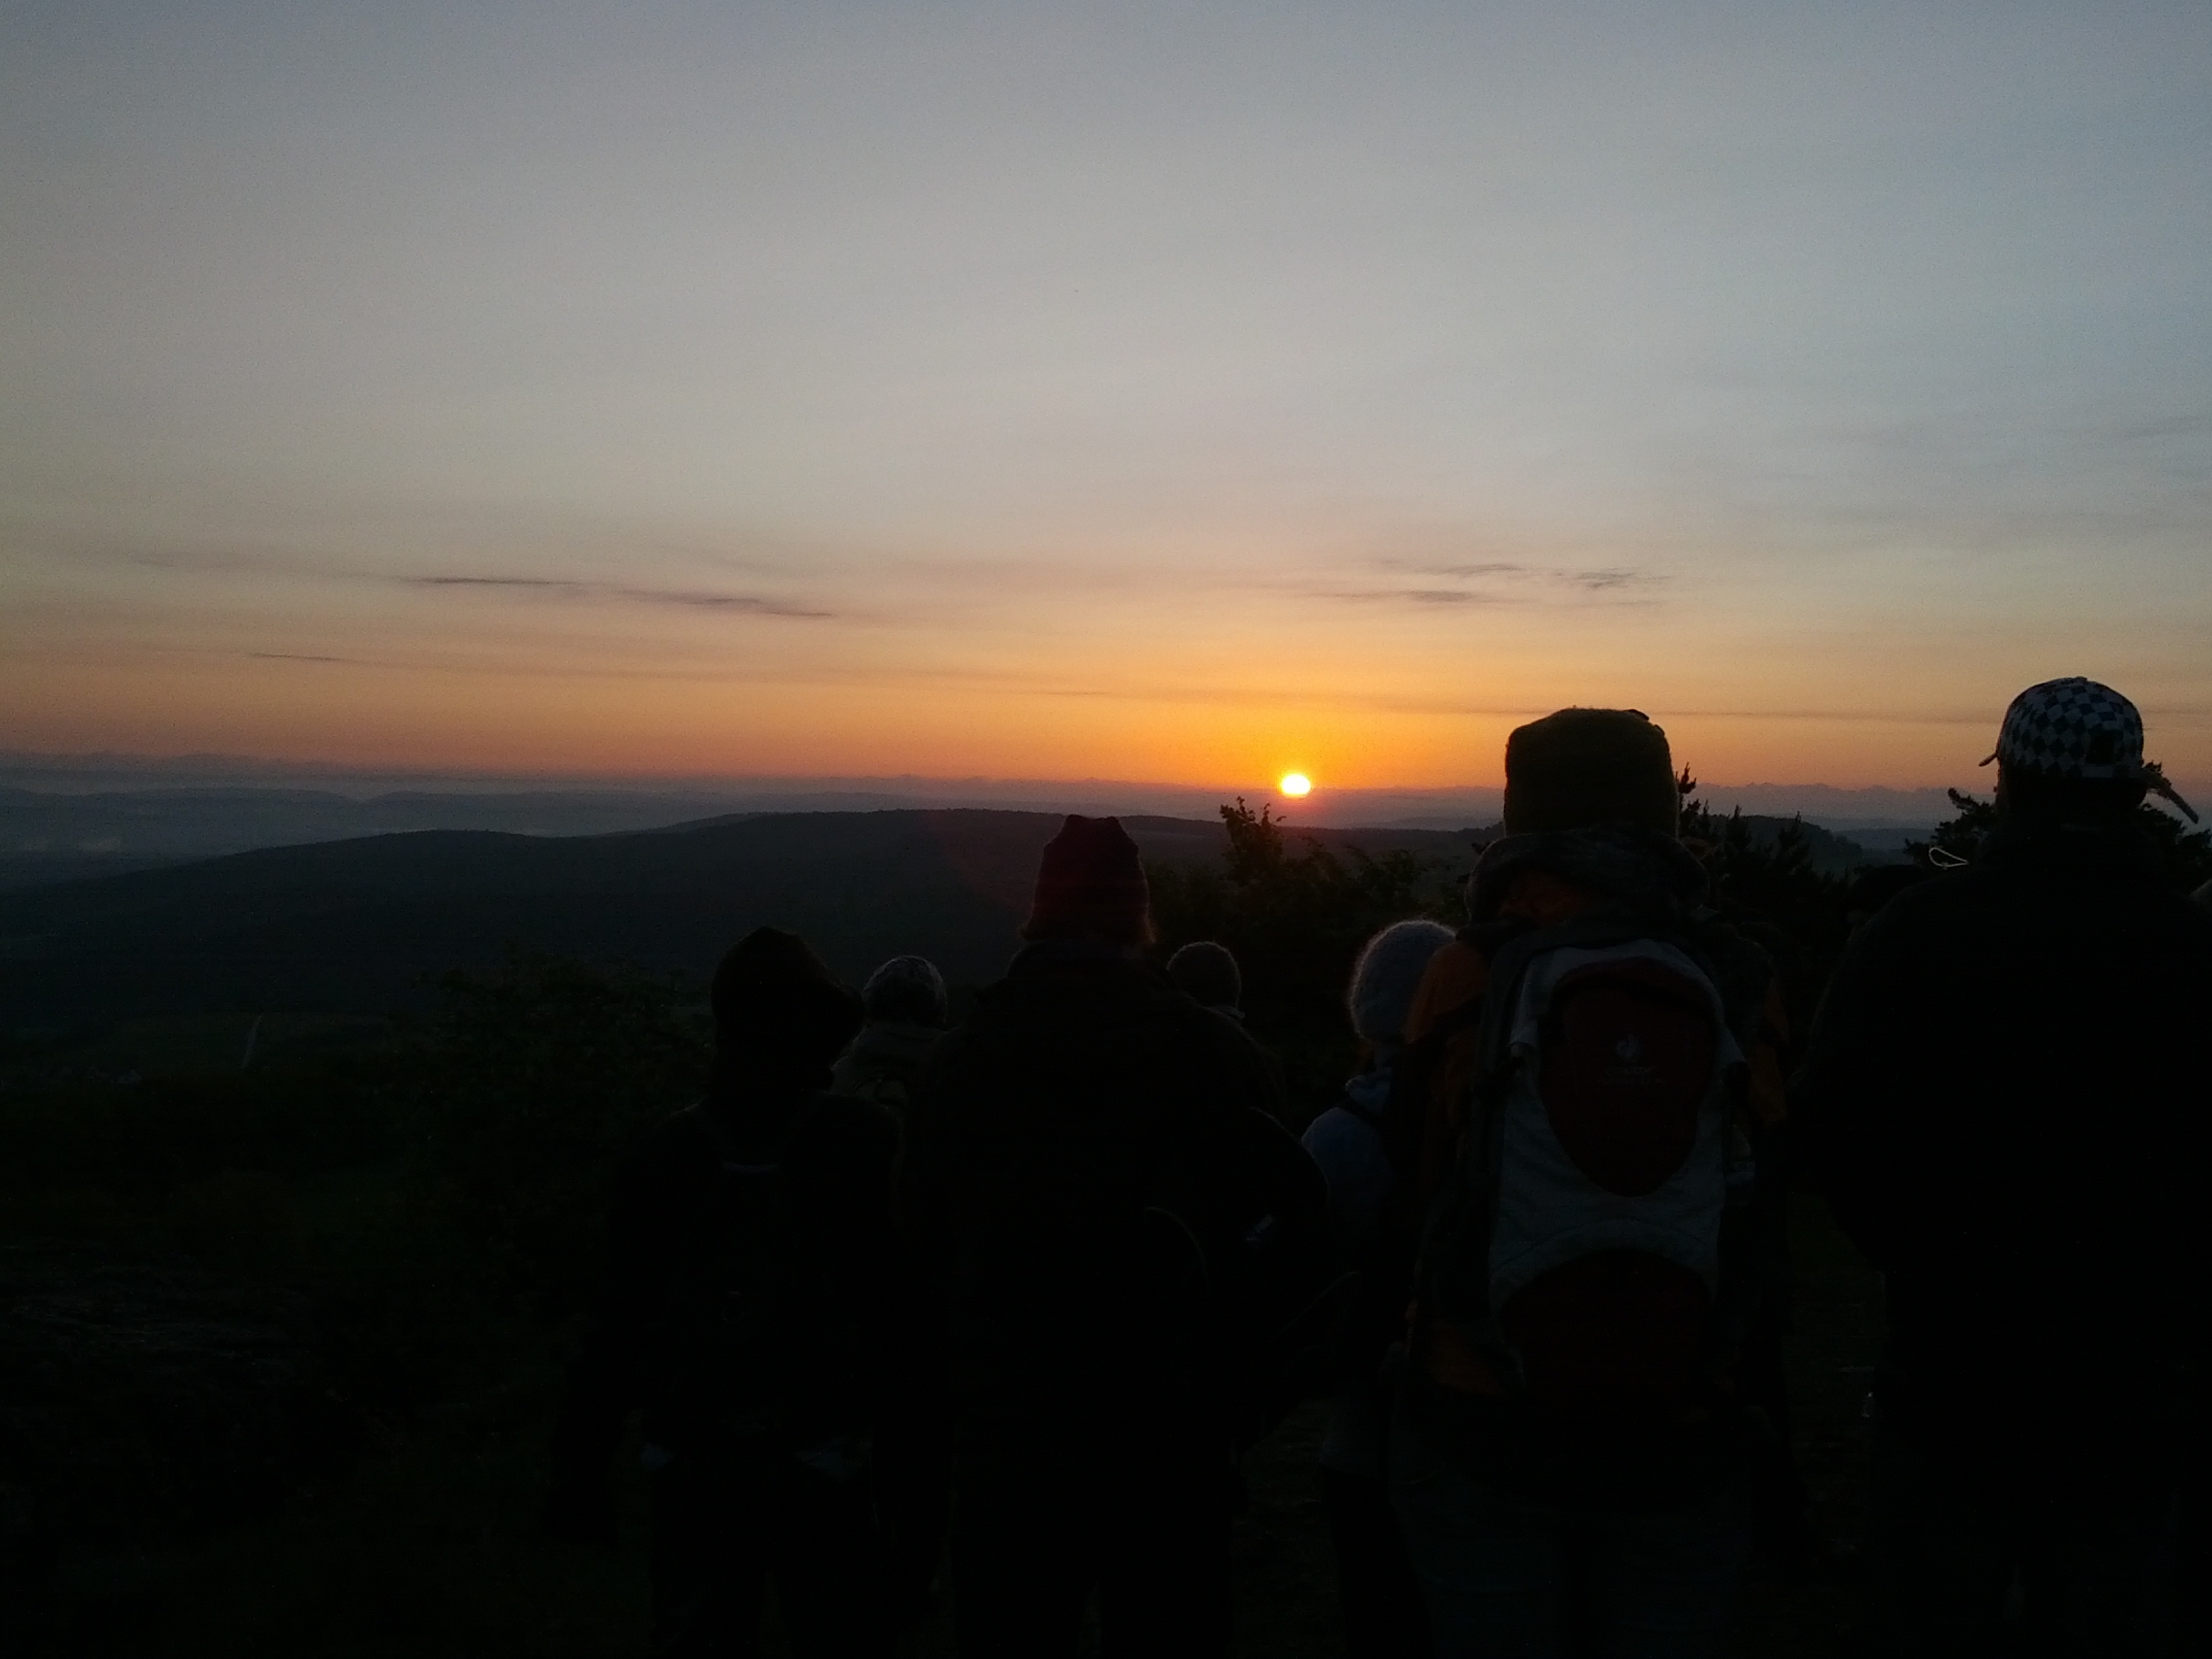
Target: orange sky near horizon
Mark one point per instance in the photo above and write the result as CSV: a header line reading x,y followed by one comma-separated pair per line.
x,y
1196,694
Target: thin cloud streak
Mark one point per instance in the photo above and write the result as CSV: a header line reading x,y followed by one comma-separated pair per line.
x,y
751,605
1598,579
1408,595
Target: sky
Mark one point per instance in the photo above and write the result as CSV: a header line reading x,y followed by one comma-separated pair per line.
x,y
1176,392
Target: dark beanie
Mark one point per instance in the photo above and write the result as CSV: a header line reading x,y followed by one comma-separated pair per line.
x,y
1585,766
1091,884
772,993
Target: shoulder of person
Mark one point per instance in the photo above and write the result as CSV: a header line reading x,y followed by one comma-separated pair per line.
x,y
1943,909
951,1051
1249,1075
856,1134
1456,975
1219,1029
1340,1134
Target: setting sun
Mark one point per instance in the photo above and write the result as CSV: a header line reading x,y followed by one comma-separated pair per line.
x,y
1296,783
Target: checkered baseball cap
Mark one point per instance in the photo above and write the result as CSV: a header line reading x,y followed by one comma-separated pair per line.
x,y
2076,728
2072,728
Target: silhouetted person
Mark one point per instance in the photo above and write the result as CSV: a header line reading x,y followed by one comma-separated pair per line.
x,y
905,1005
1115,1223
2005,1100
756,1307
1568,1462
1207,974
1375,1222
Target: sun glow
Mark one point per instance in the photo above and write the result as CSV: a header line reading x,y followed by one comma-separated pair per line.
x,y
1297,784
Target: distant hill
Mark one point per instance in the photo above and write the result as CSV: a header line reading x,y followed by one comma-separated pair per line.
x,y
50,836
355,925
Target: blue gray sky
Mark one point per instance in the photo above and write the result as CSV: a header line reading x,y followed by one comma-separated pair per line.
x,y
1186,393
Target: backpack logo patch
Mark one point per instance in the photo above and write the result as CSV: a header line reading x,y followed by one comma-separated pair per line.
x,y
1628,1054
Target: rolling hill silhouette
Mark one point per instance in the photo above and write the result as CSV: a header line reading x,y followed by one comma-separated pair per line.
x,y
356,925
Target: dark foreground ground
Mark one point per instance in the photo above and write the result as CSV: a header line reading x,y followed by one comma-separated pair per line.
x,y
429,1546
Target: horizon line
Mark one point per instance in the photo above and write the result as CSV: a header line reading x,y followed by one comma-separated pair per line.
x,y
63,762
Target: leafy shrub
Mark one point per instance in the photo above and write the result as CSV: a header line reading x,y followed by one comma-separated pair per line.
x,y
1773,892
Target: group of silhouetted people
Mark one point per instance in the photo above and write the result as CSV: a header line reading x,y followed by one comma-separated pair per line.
x,y
992,1313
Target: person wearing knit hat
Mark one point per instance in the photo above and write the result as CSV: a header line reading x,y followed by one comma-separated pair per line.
x,y
906,1004
762,1381
2004,1100
1090,886
1116,1223
1385,978
1352,1143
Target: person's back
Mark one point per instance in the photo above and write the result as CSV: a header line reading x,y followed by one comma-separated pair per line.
x,y
2022,1044
1093,1172
757,1306
2006,1103
1376,1225
1568,1462
1082,1094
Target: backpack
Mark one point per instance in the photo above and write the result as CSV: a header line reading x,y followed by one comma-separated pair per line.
x,y
1584,1239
